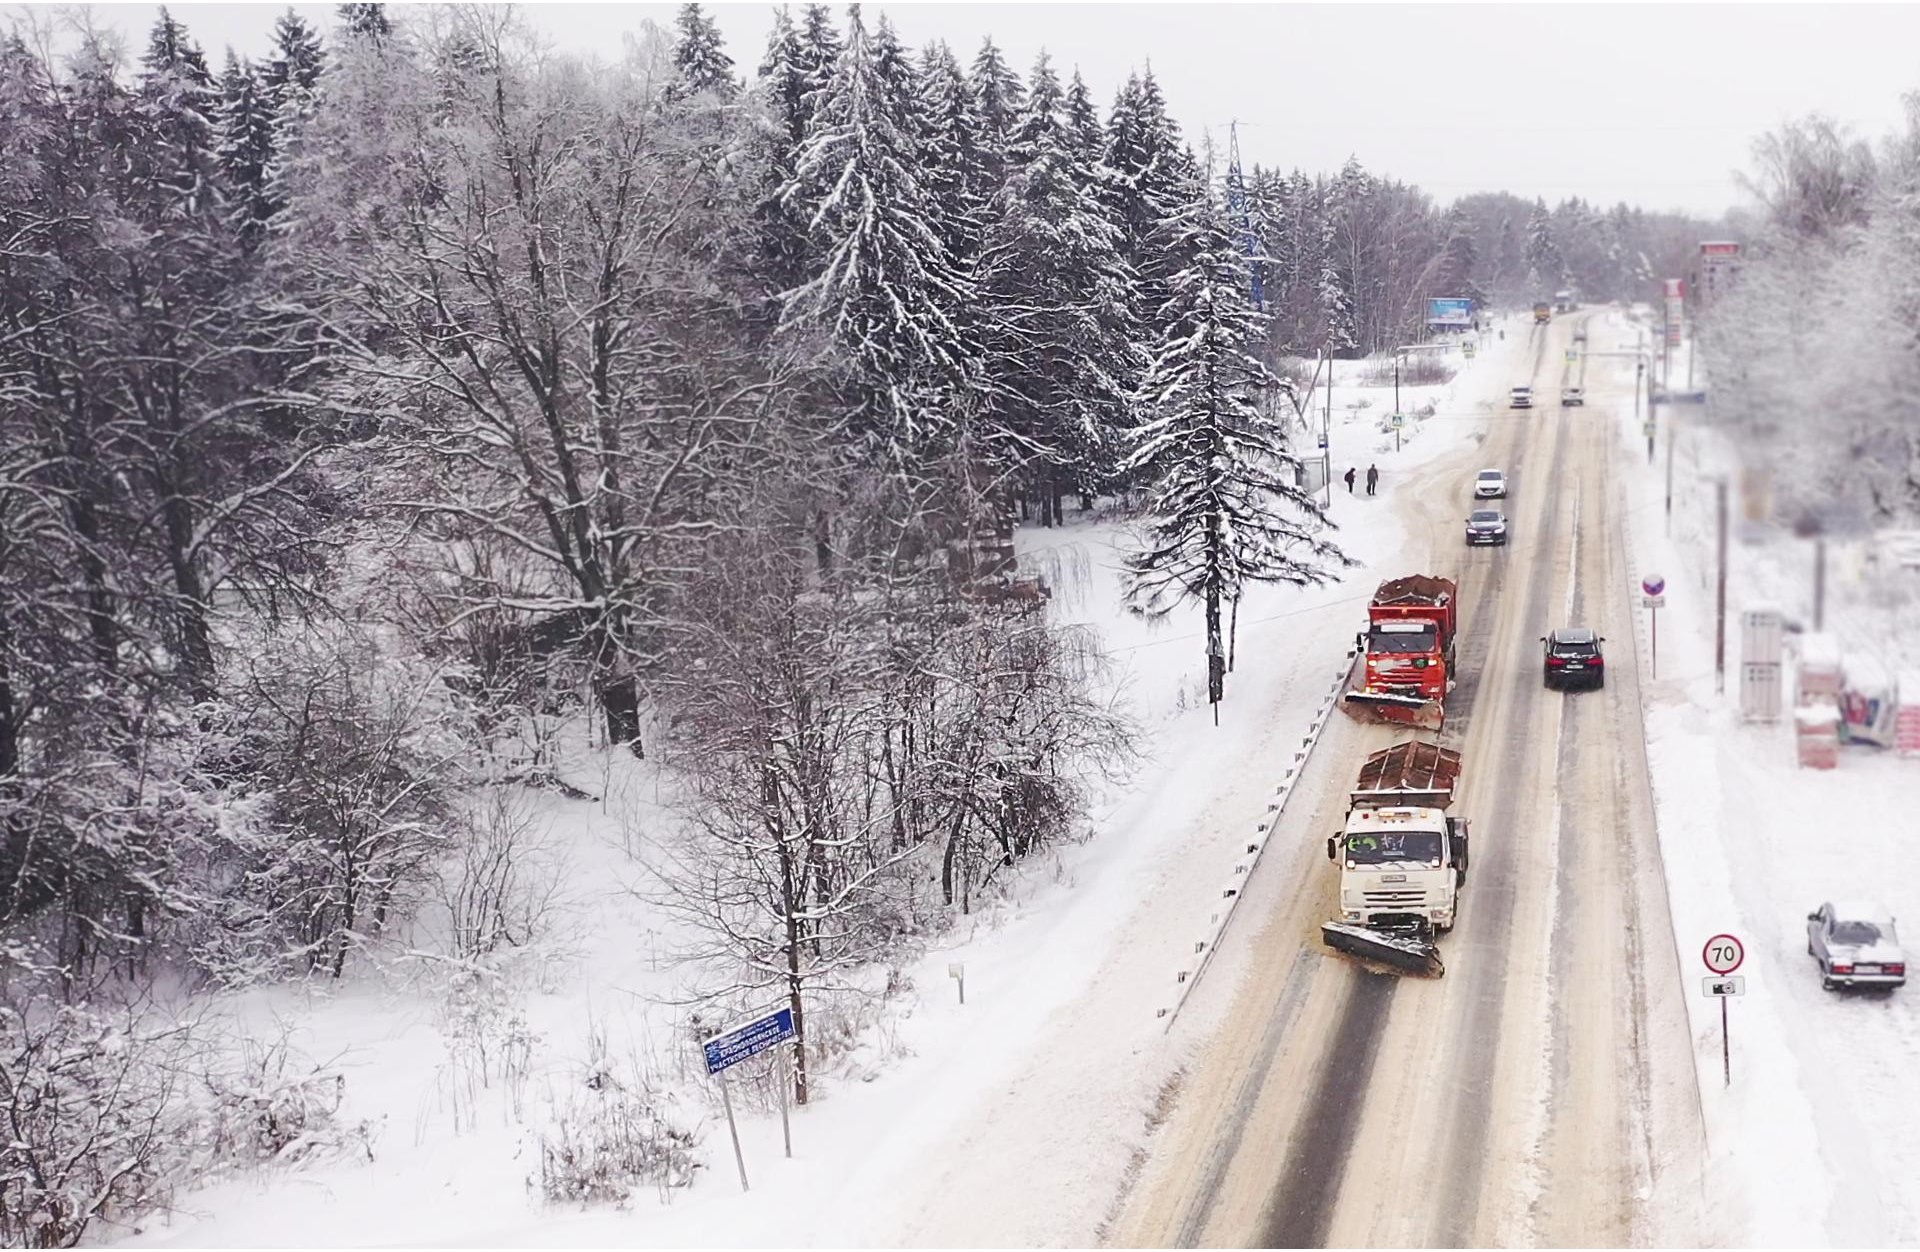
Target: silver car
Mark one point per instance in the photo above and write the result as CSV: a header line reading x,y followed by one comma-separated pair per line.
x,y
1856,946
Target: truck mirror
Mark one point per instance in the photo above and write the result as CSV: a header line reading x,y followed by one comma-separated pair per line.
x,y
1333,847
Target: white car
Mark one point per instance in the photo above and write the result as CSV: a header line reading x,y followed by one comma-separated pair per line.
x,y
1522,398
1491,484
1856,946
1572,397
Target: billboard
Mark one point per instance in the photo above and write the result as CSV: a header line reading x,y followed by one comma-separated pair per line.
x,y
1450,311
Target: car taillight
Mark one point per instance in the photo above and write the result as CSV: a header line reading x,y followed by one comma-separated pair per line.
x,y
1838,968
1555,661
1599,660
1895,969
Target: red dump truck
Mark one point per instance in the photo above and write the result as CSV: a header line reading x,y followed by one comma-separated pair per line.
x,y
1406,667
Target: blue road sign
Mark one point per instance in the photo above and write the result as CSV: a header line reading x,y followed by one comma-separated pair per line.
x,y
748,1040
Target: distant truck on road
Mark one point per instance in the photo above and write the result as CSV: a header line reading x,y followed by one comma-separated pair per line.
x,y
1402,859
1542,311
1406,670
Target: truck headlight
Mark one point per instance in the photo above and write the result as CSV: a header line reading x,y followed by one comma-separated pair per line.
x,y
1439,915
1352,915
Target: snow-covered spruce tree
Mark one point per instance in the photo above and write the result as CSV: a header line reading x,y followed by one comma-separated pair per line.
x,y
1150,172
1453,271
1337,324
700,60
884,290
290,83
1545,269
295,65
998,98
780,212
365,20
244,125
1061,359
951,162
1224,509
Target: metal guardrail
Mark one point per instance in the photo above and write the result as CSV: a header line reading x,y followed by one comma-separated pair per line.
x,y
1188,977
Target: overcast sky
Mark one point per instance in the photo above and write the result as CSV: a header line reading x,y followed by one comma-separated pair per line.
x,y
1654,105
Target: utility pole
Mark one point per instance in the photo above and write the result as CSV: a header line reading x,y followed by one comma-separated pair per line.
x,y
1819,582
1720,595
1326,427
1672,422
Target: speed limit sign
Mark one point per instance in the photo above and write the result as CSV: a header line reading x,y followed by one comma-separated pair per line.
x,y
1723,954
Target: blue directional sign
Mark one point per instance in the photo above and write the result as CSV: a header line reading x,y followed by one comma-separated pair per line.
x,y
748,1040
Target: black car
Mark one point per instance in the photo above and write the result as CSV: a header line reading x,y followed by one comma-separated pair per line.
x,y
1573,658
1487,526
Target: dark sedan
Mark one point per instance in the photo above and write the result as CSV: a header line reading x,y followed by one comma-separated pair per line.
x,y
1486,526
1573,658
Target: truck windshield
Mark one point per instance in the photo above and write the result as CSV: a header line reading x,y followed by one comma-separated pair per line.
x,y
1400,642
1386,846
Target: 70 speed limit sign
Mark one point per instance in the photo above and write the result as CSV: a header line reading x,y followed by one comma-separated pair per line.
x,y
1723,954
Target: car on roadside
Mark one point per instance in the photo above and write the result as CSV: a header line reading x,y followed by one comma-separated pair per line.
x,y
1522,398
1856,946
1490,484
1571,656
1487,526
1573,397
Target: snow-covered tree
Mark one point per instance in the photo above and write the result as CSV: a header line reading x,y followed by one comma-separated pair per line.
x,y
1061,357
884,289
1225,508
998,98
293,69
950,158
781,210
700,60
1545,268
366,20
244,125
1150,171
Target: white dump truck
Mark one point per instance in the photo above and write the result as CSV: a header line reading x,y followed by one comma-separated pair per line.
x,y
1402,859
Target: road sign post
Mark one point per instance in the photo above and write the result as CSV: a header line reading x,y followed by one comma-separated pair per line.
x,y
1654,586
1723,955
742,1043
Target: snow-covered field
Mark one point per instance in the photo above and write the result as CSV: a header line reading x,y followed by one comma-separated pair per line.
x,y
1036,1092
1814,1142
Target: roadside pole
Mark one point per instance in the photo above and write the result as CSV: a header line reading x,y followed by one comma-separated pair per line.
x,y
1720,595
739,1158
1326,426
1671,423
1819,582
1723,955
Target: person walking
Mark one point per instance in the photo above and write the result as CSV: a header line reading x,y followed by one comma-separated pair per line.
x,y
1350,473
1373,478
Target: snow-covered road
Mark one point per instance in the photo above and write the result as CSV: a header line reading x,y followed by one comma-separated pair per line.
x,y
1542,1092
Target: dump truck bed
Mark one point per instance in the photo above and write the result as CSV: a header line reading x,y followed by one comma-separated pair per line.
x,y
1419,775
1414,590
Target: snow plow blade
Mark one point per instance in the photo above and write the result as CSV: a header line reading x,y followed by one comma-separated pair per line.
x,y
1378,707
1404,953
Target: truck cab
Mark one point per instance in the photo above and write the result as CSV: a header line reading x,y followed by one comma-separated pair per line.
x,y
1406,656
1401,868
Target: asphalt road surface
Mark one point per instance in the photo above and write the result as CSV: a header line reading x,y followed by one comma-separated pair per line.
x,y
1542,1091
